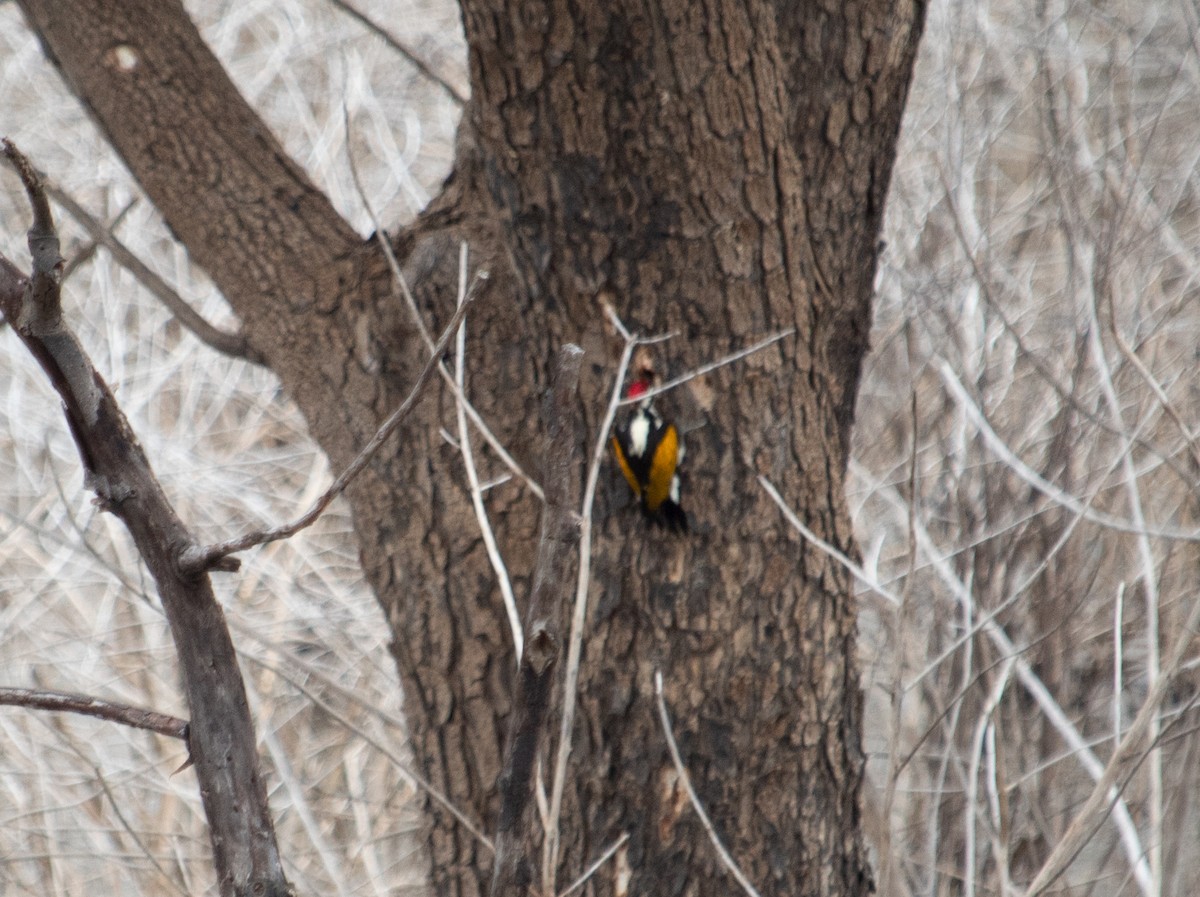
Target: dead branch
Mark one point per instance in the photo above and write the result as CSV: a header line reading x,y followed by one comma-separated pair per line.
x,y
455,95
88,251
726,858
221,735
66,702
517,831
198,559
233,344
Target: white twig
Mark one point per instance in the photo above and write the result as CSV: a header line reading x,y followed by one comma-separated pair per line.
x,y
682,772
707,368
1118,660
1053,711
331,860
384,746
464,445
1036,480
859,573
974,628
1000,829
578,619
977,745
1122,819
1149,581
1106,794
400,282
600,861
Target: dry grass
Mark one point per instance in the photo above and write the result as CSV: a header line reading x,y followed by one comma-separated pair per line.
x,y
1047,187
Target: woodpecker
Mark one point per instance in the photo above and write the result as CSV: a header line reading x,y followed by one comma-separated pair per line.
x,y
649,451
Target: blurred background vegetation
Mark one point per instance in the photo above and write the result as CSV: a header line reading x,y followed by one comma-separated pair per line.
x,y
1024,483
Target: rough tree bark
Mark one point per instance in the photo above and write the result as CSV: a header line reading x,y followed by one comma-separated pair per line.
x,y
716,170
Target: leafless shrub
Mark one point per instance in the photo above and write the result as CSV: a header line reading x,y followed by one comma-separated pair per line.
x,y
1040,282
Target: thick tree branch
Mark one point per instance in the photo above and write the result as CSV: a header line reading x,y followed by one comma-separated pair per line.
x,y
247,213
517,834
136,717
221,738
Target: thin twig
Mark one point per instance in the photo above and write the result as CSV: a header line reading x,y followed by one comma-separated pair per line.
x,y
1036,689
1149,576
981,727
517,828
233,344
1159,393
86,253
1036,480
860,574
330,859
592,869
1030,681
402,291
1129,752
682,772
99,776
384,747
126,715
578,620
708,368
423,67
897,693
201,558
464,446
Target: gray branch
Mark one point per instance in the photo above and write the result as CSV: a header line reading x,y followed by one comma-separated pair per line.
x,y
517,833
221,735
66,702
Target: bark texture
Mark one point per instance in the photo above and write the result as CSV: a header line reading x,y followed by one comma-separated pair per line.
x,y
716,170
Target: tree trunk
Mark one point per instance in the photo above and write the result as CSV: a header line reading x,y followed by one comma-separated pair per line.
x,y
718,173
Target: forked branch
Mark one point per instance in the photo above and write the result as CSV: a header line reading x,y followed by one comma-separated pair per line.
x,y
221,734
199,559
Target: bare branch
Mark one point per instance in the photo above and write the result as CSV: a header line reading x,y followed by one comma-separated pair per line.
x,y
578,621
1029,679
233,344
221,734
708,368
517,830
1037,481
126,715
402,292
682,772
85,254
892,599
1037,690
384,746
197,559
1128,754
464,447
420,64
129,829
1159,393
594,867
